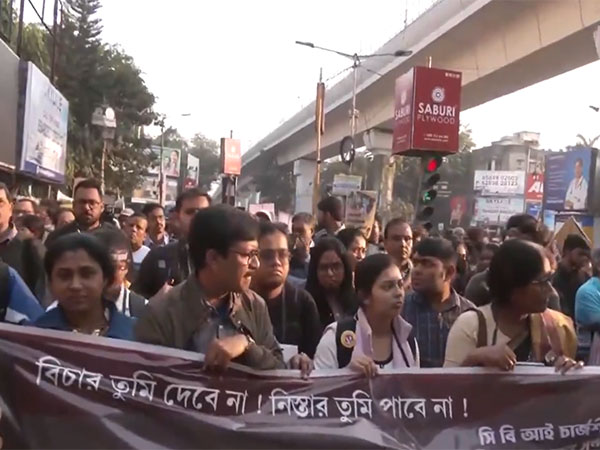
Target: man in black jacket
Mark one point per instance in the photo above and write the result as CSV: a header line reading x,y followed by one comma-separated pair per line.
x,y
169,265
88,208
293,311
18,253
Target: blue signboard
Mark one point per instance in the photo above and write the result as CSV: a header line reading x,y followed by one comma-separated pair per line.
x,y
567,180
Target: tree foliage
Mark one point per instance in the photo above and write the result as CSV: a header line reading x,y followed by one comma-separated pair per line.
x,y
208,152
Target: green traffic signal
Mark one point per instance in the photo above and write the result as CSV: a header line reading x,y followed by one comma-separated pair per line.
x,y
428,196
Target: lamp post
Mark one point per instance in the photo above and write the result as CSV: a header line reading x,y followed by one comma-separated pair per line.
x,y
104,118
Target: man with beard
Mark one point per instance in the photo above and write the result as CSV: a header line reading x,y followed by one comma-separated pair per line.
x,y
88,208
398,242
433,306
292,310
213,311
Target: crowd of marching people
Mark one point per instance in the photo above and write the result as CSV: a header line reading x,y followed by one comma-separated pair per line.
x,y
239,288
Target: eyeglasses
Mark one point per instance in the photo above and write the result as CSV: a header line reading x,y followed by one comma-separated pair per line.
x,y
90,203
269,254
248,256
544,281
333,267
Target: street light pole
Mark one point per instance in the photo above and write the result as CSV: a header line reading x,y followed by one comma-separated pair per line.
x,y
161,177
104,118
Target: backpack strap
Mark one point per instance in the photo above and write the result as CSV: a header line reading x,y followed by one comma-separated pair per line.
x,y
482,340
345,340
4,289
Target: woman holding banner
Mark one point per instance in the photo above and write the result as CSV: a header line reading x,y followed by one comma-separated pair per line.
x,y
517,326
79,269
377,336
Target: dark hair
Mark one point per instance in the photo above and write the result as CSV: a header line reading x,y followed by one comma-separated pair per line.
x,y
333,206
439,248
419,231
34,223
112,239
346,296
4,187
596,262
57,214
392,223
516,264
262,216
269,228
476,234
526,224
347,236
150,207
80,241
88,183
574,241
306,218
369,269
492,247
189,194
218,228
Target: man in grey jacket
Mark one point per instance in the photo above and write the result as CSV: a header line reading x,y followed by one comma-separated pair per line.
x,y
213,311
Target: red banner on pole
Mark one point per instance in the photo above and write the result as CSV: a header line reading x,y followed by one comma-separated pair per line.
x,y
427,111
231,156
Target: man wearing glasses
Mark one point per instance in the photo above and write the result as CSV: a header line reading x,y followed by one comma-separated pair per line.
x,y
88,207
213,312
292,310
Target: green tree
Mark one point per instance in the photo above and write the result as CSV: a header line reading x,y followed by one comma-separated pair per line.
x,y
208,152
276,185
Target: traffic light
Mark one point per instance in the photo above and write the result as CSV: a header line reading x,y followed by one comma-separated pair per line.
x,y
427,190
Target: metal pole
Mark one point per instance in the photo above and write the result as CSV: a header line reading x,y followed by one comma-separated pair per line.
x,y
20,29
355,75
319,129
104,142
161,193
54,43
419,183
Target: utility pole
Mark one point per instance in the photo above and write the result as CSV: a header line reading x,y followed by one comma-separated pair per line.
x,y
320,129
161,176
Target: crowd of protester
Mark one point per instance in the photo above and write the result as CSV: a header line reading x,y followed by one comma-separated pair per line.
x,y
236,287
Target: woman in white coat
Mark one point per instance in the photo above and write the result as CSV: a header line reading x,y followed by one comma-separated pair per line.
x,y
377,336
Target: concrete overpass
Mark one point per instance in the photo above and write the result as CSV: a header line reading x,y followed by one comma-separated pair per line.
x,y
500,46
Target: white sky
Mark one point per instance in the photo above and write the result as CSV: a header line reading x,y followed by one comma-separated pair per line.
x,y
234,66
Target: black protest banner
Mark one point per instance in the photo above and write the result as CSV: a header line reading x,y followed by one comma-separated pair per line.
x,y
61,390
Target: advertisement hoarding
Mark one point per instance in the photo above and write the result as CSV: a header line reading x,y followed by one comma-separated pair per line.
x,y
171,161
499,182
345,184
231,156
427,111
496,210
534,187
191,173
568,179
45,126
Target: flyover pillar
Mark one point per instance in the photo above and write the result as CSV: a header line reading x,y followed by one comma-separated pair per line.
x,y
383,167
304,173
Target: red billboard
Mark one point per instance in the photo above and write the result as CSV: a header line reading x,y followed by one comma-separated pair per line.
x,y
534,187
231,156
427,111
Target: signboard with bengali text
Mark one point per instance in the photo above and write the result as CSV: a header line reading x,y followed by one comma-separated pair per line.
x,y
119,394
